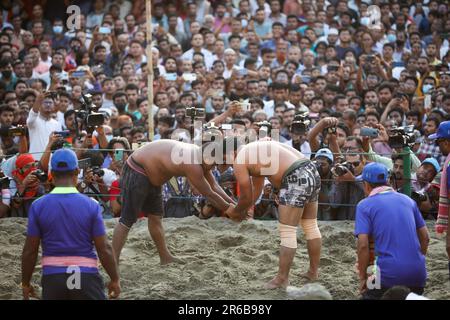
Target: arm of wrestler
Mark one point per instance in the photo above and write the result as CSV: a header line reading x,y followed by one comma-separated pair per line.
x,y
246,190
216,187
196,177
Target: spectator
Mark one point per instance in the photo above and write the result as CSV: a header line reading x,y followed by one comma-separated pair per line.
x,y
41,124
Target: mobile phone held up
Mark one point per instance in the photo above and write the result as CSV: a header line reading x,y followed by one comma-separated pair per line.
x,y
118,154
104,30
369,132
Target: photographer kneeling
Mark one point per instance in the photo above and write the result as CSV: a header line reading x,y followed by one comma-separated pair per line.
x,y
424,192
29,181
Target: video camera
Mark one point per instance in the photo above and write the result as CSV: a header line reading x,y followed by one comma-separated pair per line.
x,y
18,131
342,168
265,126
211,133
89,115
193,112
301,123
400,137
418,197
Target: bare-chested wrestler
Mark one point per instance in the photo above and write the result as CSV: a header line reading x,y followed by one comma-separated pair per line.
x,y
145,171
298,182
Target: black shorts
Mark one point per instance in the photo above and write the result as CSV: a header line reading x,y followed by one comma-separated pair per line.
x,y
55,287
138,195
300,185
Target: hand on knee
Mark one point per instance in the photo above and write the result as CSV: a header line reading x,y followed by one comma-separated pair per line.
x,y
310,228
288,235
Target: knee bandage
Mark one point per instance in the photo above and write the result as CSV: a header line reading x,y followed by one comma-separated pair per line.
x,y
288,235
310,228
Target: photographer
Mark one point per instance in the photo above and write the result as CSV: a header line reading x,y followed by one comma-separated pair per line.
x,y
324,161
94,181
329,124
41,124
347,189
29,182
117,156
424,192
299,140
267,207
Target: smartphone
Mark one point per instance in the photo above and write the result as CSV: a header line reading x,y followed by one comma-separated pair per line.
x,y
245,105
64,134
104,30
243,71
79,74
189,77
118,154
170,76
427,102
368,132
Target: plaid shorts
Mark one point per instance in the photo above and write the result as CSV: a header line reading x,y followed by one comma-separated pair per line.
x,y
300,185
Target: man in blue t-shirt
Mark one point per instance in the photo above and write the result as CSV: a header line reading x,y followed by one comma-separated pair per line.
x,y
69,225
401,238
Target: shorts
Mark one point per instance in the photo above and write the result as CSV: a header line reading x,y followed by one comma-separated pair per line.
x,y
300,185
55,287
138,194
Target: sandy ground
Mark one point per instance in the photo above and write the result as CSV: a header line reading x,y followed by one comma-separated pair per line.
x,y
221,260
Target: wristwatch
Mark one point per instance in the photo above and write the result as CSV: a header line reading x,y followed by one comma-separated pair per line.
x,y
82,185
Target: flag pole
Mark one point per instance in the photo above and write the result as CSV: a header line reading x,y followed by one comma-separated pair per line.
x,y
148,7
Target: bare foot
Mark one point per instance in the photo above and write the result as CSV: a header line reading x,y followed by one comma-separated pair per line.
x,y
170,259
277,282
311,276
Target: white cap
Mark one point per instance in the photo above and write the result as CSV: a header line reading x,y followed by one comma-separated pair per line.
x,y
229,50
333,31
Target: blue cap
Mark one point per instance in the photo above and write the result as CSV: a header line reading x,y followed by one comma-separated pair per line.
x,y
64,160
325,153
443,132
375,173
433,162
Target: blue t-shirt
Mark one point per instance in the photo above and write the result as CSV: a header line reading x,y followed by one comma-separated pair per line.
x,y
392,219
67,222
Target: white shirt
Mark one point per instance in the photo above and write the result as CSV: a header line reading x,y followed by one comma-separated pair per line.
x,y
209,59
40,130
305,148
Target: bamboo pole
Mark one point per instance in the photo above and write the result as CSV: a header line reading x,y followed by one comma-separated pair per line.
x,y
148,7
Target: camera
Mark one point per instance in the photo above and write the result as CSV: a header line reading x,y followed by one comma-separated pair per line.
x,y
419,196
342,168
264,126
400,137
4,181
193,112
370,58
87,113
301,123
51,94
98,171
41,175
18,131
